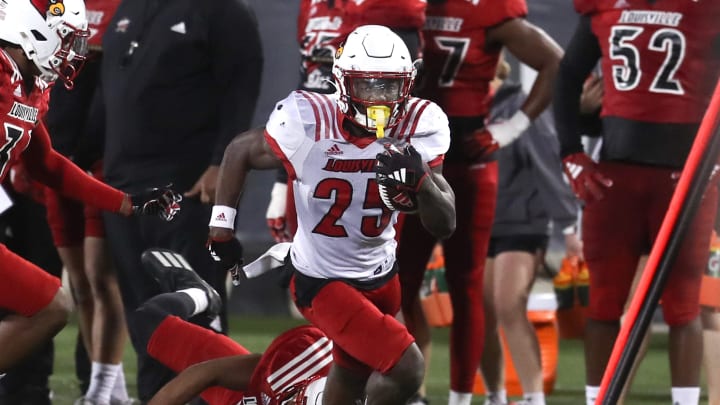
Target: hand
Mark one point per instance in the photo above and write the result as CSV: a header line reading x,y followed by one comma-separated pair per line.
x,y
592,95
275,214
574,246
480,145
227,251
205,186
162,202
404,171
585,179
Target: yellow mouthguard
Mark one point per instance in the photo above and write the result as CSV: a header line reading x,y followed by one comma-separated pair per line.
x,y
380,114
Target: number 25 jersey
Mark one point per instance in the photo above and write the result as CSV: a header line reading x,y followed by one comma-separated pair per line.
x,y
660,59
344,230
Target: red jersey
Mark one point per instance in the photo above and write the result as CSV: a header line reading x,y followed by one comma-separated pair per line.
x,y
295,358
391,13
321,29
21,111
25,137
99,13
659,59
458,63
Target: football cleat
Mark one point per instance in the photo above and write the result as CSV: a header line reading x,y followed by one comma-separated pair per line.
x,y
174,273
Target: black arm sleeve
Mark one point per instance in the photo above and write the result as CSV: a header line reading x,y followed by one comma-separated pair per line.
x,y
281,176
581,56
237,60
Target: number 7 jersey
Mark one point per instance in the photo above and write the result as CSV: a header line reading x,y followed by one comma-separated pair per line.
x,y
344,229
21,112
660,60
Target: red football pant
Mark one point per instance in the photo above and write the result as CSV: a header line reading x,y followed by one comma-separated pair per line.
x,y
25,288
621,227
361,324
70,221
179,344
465,252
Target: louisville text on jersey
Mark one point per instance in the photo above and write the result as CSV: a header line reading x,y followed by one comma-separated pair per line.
x,y
350,165
23,112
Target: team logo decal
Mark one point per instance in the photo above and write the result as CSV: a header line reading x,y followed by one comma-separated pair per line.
x,y
339,52
56,8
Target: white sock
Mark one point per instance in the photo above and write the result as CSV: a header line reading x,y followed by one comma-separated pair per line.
x,y
685,395
498,397
119,391
459,398
102,379
199,297
535,398
591,393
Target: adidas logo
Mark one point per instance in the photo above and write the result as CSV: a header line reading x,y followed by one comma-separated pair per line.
x,y
179,28
221,217
574,170
334,150
18,91
621,4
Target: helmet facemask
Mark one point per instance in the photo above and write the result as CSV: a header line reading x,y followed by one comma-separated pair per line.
x,y
67,62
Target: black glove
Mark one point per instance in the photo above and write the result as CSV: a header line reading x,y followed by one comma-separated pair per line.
x,y
162,202
229,255
403,171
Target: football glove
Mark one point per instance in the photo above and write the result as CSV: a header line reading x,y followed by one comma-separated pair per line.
x,y
275,213
228,253
163,202
403,171
483,142
585,179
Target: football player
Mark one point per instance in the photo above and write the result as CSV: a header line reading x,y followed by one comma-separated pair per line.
x,y
344,275
322,26
74,121
35,50
463,41
660,61
292,369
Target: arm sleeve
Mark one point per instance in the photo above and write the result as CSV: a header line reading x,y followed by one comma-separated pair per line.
x,y
580,57
237,62
557,198
57,172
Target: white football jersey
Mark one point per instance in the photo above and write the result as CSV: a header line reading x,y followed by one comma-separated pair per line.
x,y
344,229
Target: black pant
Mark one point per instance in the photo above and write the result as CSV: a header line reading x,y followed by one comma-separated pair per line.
x,y
128,238
27,382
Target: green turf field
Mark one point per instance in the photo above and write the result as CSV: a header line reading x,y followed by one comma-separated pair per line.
x,y
651,385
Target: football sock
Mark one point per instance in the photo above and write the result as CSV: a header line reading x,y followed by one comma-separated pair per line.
x,y
591,393
496,398
459,398
685,395
102,380
199,297
119,391
535,398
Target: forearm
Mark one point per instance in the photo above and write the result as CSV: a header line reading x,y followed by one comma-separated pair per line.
x,y
541,92
436,207
59,173
186,386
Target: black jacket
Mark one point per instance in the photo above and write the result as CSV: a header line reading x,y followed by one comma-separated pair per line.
x,y
180,80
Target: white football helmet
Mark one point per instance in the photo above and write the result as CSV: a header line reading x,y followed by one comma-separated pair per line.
x,y
48,37
373,68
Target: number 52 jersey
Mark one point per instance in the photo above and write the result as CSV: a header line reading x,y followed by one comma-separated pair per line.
x,y
344,230
660,58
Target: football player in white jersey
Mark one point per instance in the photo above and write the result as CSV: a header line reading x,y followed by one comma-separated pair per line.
x,y
336,149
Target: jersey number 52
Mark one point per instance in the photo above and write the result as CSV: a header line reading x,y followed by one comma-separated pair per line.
x,y
626,75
